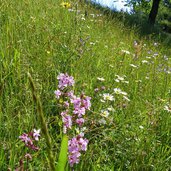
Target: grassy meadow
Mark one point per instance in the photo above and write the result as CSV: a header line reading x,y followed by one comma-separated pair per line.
x,y
128,130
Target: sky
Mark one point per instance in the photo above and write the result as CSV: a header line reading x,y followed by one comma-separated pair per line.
x,y
110,3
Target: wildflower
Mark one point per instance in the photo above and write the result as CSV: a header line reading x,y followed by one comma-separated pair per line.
x,y
100,78
119,91
104,113
75,146
167,108
80,121
65,81
108,97
58,93
65,4
26,139
126,52
102,87
155,44
71,95
77,102
36,134
79,111
141,127
67,121
96,90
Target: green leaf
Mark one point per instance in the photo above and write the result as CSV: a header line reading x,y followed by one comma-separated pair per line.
x,y
63,154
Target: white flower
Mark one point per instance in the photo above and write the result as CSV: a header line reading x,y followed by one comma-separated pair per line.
x,y
126,52
107,96
167,108
36,134
155,44
141,127
104,113
100,78
119,91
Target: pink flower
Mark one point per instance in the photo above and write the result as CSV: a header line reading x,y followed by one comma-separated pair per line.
x,y
67,121
86,102
79,111
80,121
58,93
26,139
77,102
75,145
65,81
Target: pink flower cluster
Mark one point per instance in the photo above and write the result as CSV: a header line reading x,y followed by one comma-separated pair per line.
x,y
75,145
73,115
29,139
65,80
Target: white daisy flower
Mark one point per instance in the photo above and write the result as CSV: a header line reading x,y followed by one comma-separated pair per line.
x,y
108,97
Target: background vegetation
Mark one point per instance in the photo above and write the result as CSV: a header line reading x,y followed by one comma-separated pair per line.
x,y
46,38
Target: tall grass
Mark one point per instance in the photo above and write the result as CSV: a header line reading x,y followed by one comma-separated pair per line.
x,y
44,38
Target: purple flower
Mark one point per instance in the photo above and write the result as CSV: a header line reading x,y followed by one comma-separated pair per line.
x,y
96,90
83,143
75,145
79,111
65,81
77,102
67,121
71,95
58,93
86,102
80,121
26,139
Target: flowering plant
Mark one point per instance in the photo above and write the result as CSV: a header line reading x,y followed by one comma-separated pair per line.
x,y
74,109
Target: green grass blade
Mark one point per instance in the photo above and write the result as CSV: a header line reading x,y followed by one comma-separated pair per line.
x,y
63,154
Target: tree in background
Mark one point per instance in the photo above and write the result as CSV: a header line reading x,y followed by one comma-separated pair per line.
x,y
165,15
154,11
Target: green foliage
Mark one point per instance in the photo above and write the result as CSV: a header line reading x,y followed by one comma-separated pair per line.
x,y
63,157
44,38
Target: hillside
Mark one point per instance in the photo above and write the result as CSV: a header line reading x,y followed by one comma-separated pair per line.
x,y
128,78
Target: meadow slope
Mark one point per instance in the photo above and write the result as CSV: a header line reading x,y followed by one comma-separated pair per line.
x,y
127,77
